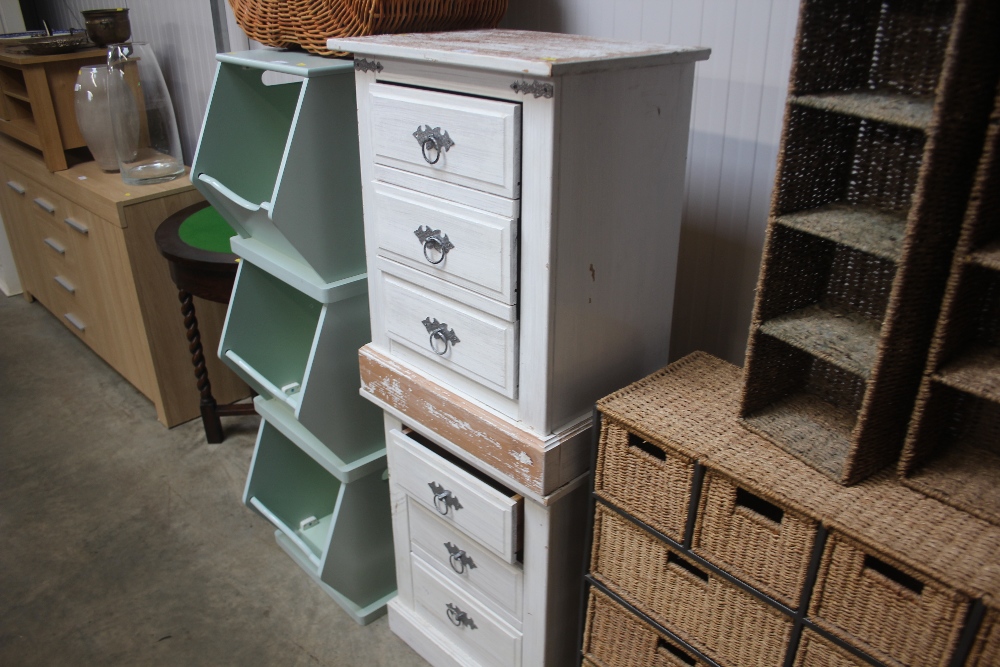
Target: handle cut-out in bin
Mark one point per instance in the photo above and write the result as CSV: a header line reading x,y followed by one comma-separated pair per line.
x,y
217,185
286,531
278,392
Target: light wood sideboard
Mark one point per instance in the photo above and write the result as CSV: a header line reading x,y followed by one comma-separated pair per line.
x,y
83,244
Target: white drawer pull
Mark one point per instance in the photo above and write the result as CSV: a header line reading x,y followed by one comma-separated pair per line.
x,y
432,139
55,245
45,205
459,618
440,333
435,245
443,498
65,284
77,225
16,187
75,321
458,559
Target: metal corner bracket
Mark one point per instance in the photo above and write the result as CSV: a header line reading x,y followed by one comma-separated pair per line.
x,y
363,65
536,88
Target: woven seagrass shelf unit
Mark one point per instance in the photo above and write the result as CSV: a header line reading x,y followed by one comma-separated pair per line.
x,y
887,109
952,450
713,547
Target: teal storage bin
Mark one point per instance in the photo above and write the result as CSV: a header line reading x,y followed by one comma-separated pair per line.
x,y
280,162
334,522
304,353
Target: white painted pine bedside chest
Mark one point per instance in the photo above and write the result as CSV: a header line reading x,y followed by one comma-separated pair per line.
x,y
522,196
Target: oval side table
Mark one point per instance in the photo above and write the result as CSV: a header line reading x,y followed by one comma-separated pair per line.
x,y
195,241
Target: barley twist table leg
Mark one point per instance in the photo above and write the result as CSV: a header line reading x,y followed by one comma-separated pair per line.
x,y
209,417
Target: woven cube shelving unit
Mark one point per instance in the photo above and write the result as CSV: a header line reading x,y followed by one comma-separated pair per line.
x,y
952,450
887,110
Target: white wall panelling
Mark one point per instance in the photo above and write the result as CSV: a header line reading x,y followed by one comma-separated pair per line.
x,y
735,130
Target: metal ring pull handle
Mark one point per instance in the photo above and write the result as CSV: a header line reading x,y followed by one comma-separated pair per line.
x,y
441,502
434,242
432,139
443,499
459,618
441,337
458,559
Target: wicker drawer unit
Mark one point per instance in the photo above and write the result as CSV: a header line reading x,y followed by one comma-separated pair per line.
x,y
753,536
660,478
891,611
614,637
713,615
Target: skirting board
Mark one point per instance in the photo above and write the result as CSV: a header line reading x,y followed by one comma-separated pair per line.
x,y
361,615
429,644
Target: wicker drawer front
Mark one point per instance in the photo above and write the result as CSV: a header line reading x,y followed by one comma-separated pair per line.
x,y
720,620
616,638
489,515
464,620
817,651
471,248
485,137
986,649
460,559
480,346
890,611
649,480
751,537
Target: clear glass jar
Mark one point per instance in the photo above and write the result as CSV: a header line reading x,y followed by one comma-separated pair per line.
x,y
145,128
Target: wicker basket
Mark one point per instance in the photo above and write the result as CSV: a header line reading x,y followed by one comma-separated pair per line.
x,y
309,23
890,611
724,622
614,637
952,450
754,536
659,478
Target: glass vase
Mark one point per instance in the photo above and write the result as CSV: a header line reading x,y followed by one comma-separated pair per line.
x,y
90,97
145,129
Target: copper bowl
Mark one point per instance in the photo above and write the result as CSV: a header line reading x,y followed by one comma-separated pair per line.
x,y
107,26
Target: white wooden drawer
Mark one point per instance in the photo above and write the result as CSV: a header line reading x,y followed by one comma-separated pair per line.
x,y
484,511
463,620
475,344
461,560
457,243
485,136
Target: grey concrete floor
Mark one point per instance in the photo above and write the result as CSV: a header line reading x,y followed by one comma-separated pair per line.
x,y
124,543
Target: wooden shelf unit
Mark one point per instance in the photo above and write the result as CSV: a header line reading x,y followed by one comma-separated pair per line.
x,y
36,101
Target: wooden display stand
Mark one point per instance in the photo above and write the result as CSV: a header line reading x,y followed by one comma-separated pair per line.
x,y
84,246
36,101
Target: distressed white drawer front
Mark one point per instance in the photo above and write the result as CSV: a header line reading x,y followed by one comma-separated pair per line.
x,y
461,560
483,137
463,620
461,500
463,245
468,341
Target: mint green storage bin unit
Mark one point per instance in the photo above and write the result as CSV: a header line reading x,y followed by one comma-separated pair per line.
x,y
280,162
304,353
334,521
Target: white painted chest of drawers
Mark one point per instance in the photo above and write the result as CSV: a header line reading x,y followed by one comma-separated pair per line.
x,y
522,197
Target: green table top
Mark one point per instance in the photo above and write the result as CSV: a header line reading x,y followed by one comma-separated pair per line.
x,y
206,230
